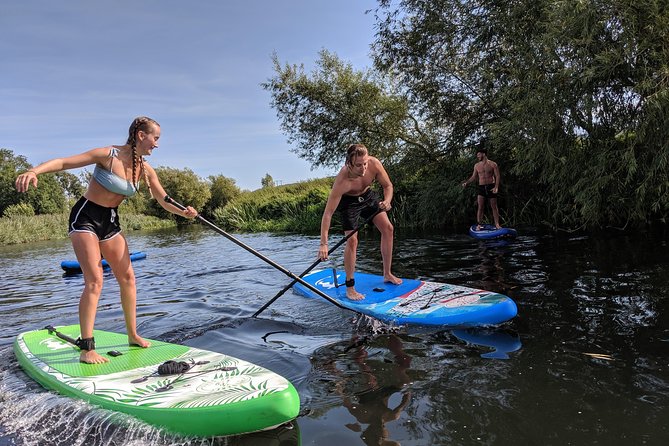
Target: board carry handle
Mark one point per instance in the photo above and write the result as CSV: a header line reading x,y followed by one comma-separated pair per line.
x,y
169,199
313,265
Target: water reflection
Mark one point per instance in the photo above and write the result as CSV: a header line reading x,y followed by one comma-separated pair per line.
x,y
374,373
500,341
493,275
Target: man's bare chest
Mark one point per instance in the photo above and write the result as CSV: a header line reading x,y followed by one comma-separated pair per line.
x,y
485,169
357,186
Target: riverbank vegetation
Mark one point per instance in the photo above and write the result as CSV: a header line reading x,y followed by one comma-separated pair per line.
x,y
570,98
289,208
286,208
19,229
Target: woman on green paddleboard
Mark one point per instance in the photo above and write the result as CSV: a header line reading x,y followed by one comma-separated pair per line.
x,y
94,227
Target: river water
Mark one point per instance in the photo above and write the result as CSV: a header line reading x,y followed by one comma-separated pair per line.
x,y
586,361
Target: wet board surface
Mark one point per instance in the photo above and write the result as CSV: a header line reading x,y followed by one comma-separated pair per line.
x,y
219,395
414,301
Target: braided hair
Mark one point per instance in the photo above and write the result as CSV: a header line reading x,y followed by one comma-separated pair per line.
x,y
144,124
354,151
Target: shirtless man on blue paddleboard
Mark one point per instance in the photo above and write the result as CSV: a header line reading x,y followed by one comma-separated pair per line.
x,y
353,197
489,178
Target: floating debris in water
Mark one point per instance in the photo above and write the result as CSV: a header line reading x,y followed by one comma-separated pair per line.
x,y
600,356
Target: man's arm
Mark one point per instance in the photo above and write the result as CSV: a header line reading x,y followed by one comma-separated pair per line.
x,y
330,207
384,180
472,178
498,178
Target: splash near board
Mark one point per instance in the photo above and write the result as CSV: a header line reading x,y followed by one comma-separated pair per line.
x,y
217,395
72,266
414,301
488,232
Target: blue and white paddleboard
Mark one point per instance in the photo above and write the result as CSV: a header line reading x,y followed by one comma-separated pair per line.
x,y
72,266
414,301
491,232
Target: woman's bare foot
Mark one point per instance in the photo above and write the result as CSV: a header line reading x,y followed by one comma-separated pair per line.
x,y
92,357
138,341
352,294
392,279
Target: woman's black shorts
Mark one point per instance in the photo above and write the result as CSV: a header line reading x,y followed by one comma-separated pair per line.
x,y
87,216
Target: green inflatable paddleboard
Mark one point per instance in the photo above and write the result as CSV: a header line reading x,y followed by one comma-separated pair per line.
x,y
218,394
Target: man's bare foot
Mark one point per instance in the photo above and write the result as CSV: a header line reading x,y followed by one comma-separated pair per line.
x,y
498,227
479,227
392,279
352,294
138,341
91,357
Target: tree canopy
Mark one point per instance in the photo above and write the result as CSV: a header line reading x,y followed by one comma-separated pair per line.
x,y
223,189
48,198
571,98
182,185
325,111
572,95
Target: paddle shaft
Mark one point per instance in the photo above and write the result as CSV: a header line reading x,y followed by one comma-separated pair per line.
x,y
260,256
313,265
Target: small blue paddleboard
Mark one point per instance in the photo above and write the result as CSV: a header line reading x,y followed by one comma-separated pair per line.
x,y
488,232
414,301
72,266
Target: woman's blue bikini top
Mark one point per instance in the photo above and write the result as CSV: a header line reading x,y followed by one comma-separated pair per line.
x,y
112,182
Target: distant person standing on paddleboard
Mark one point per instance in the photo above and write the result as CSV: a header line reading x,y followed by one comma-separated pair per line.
x,y
94,222
352,196
489,179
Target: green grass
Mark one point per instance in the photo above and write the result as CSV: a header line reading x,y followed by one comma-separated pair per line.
x,y
25,229
294,208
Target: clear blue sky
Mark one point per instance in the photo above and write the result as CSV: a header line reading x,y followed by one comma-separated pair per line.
x,y
73,75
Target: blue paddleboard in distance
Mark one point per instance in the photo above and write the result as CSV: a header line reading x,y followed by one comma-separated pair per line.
x,y
414,301
491,232
72,266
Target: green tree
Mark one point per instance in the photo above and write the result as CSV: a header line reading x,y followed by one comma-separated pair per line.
x,y
48,198
267,181
10,166
182,185
334,106
71,184
223,190
572,95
